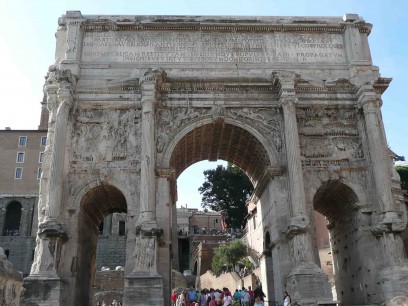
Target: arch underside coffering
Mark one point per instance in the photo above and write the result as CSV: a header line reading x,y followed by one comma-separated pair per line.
x,y
221,141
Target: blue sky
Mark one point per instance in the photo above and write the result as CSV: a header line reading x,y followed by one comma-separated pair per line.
x,y
27,47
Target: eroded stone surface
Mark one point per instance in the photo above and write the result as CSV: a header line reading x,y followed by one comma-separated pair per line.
x,y
294,101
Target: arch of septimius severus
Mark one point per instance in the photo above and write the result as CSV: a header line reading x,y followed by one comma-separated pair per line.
x,y
293,101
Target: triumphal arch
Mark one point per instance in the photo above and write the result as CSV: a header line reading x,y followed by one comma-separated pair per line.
x,y
293,101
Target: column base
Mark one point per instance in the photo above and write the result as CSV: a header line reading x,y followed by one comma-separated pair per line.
x,y
143,288
394,284
42,291
308,285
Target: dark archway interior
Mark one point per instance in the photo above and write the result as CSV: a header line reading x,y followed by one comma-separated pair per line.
x,y
347,229
221,141
334,199
13,219
95,205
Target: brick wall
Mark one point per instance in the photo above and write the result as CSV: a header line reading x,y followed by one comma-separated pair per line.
x,y
111,252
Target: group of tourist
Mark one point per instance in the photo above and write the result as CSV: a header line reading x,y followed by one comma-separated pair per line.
x,y
217,297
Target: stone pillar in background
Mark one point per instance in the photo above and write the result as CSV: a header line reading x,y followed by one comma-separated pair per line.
x,y
305,274
144,286
394,276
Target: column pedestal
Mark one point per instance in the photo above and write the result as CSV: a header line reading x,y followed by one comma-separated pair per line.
x,y
43,286
144,286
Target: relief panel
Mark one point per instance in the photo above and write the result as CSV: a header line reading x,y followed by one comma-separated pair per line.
x,y
102,135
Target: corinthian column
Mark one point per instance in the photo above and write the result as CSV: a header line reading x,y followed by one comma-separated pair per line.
x,y
371,103
53,205
304,266
145,276
393,277
299,225
148,155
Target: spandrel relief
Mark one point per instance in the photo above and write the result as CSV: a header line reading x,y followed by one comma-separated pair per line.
x,y
171,119
265,119
102,135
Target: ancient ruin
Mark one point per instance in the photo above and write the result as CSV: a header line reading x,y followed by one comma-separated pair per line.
x,y
293,101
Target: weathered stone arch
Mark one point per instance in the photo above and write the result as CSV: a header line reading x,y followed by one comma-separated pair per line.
x,y
270,156
349,231
95,204
134,92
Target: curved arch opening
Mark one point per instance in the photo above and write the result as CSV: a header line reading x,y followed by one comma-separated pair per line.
x,y
221,141
336,202
13,219
96,204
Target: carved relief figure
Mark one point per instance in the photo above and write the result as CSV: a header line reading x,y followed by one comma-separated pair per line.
x,y
106,135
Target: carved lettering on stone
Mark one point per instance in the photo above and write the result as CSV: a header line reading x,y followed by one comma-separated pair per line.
x,y
202,47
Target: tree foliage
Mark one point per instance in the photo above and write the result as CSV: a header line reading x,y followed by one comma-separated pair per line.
x,y
228,255
403,173
226,190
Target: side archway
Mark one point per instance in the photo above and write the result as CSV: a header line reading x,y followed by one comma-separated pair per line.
x,y
349,236
95,205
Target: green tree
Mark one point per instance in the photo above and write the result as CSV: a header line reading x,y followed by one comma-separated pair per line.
x,y
228,255
226,190
403,173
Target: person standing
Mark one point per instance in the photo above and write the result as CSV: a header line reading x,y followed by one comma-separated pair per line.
x,y
192,294
173,298
286,299
245,297
259,293
251,294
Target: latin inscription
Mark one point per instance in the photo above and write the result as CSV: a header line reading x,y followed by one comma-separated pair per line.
x,y
199,47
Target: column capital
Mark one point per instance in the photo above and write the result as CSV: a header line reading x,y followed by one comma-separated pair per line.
x,y
150,86
368,98
285,81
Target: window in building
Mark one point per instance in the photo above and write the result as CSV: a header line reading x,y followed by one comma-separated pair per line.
x,y
19,173
13,219
20,157
122,229
41,157
254,219
39,173
43,140
22,141
216,221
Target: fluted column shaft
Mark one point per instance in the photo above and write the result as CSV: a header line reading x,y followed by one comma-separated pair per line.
x,y
377,144
299,224
53,209
148,157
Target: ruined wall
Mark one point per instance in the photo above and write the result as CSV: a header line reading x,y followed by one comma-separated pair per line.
x,y
11,282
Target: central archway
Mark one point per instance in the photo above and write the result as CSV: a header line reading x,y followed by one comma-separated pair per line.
x,y
96,204
221,140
